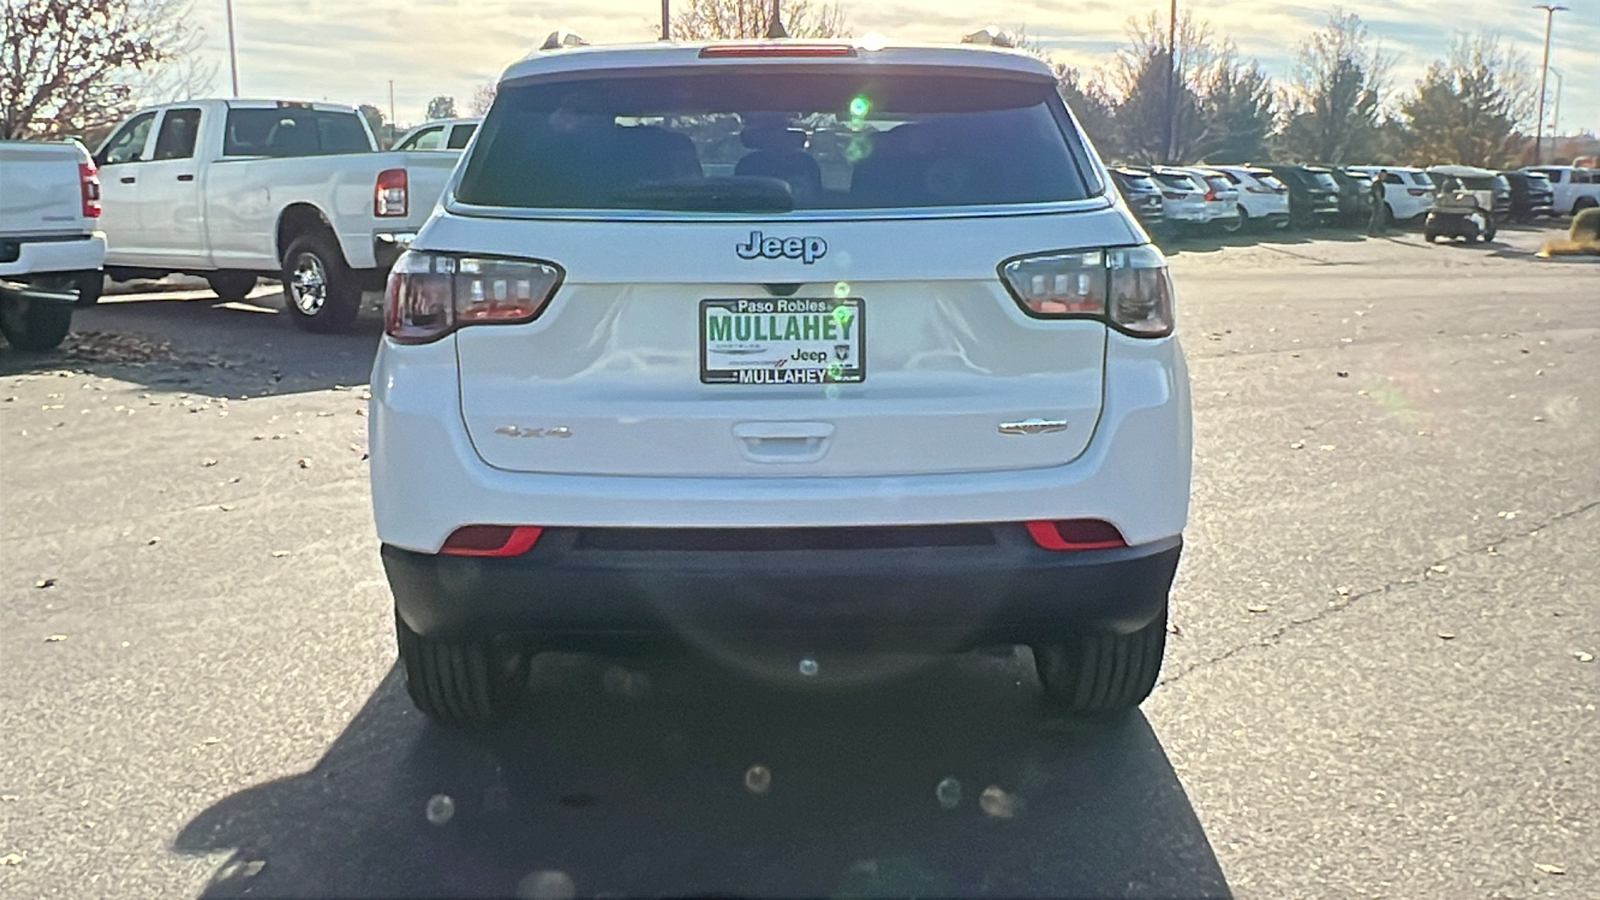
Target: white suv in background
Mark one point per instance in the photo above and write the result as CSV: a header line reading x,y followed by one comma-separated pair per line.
x,y
1407,192
1262,197
1183,197
906,378
1222,198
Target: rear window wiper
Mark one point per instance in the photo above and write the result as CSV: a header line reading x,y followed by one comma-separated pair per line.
x,y
738,193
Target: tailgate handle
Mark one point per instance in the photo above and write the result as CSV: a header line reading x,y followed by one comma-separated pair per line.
x,y
783,441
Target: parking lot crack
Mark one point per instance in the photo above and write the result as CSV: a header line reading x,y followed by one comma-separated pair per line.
x,y
1417,576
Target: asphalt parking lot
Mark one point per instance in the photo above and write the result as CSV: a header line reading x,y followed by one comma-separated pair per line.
x,y
1382,679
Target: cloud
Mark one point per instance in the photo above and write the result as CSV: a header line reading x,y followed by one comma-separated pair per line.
x,y
348,50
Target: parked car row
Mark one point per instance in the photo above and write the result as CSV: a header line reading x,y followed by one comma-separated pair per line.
x,y
1228,198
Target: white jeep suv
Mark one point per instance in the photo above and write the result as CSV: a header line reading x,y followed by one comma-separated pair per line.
x,y
781,345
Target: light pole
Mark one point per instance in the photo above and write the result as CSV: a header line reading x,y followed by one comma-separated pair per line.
x,y
666,20
233,53
1555,118
1544,71
1172,80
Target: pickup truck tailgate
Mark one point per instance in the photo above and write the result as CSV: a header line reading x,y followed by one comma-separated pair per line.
x,y
39,189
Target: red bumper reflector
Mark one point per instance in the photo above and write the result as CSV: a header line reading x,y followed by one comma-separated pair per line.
x,y
491,540
1076,534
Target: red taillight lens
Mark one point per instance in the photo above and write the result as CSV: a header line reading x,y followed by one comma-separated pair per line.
x,y
89,188
1076,534
775,48
432,294
1060,284
1128,288
491,540
1211,194
391,194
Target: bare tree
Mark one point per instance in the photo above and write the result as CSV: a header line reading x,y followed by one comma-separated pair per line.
x,y
1339,79
70,67
483,98
717,20
1138,78
1468,106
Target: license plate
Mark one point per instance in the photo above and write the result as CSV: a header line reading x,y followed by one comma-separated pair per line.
x,y
782,340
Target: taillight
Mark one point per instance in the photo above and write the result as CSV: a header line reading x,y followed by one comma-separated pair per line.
x,y
491,540
1128,288
432,294
1076,534
89,189
1211,194
391,194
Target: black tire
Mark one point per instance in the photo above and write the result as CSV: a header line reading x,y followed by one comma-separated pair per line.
x,y
1099,673
320,290
459,684
90,286
35,325
1430,236
231,285
1241,224
1488,232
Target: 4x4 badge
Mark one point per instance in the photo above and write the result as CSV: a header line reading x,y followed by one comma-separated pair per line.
x,y
806,249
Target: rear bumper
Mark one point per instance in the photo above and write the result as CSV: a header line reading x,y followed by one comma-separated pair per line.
x,y
577,590
52,254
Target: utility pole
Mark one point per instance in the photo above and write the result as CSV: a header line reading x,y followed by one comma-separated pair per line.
x,y
775,29
1169,152
666,20
391,105
1544,72
233,53
1555,119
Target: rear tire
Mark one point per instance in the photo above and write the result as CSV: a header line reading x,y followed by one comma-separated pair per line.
x,y
1488,232
463,684
35,326
1430,236
231,286
1240,223
1100,673
320,290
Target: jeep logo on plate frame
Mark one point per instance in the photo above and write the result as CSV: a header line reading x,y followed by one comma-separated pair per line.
x,y
806,249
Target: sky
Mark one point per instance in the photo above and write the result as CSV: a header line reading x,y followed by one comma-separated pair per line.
x,y
348,50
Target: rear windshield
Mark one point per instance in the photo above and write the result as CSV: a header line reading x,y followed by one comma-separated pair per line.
x,y
293,132
1323,180
1174,180
1138,183
1270,180
1421,178
761,140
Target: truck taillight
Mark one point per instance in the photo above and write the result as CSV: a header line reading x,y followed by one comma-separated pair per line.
x,y
432,294
1128,288
89,188
391,194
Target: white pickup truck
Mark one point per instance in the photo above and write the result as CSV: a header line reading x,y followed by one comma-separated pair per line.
x,y
1575,188
235,189
50,250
